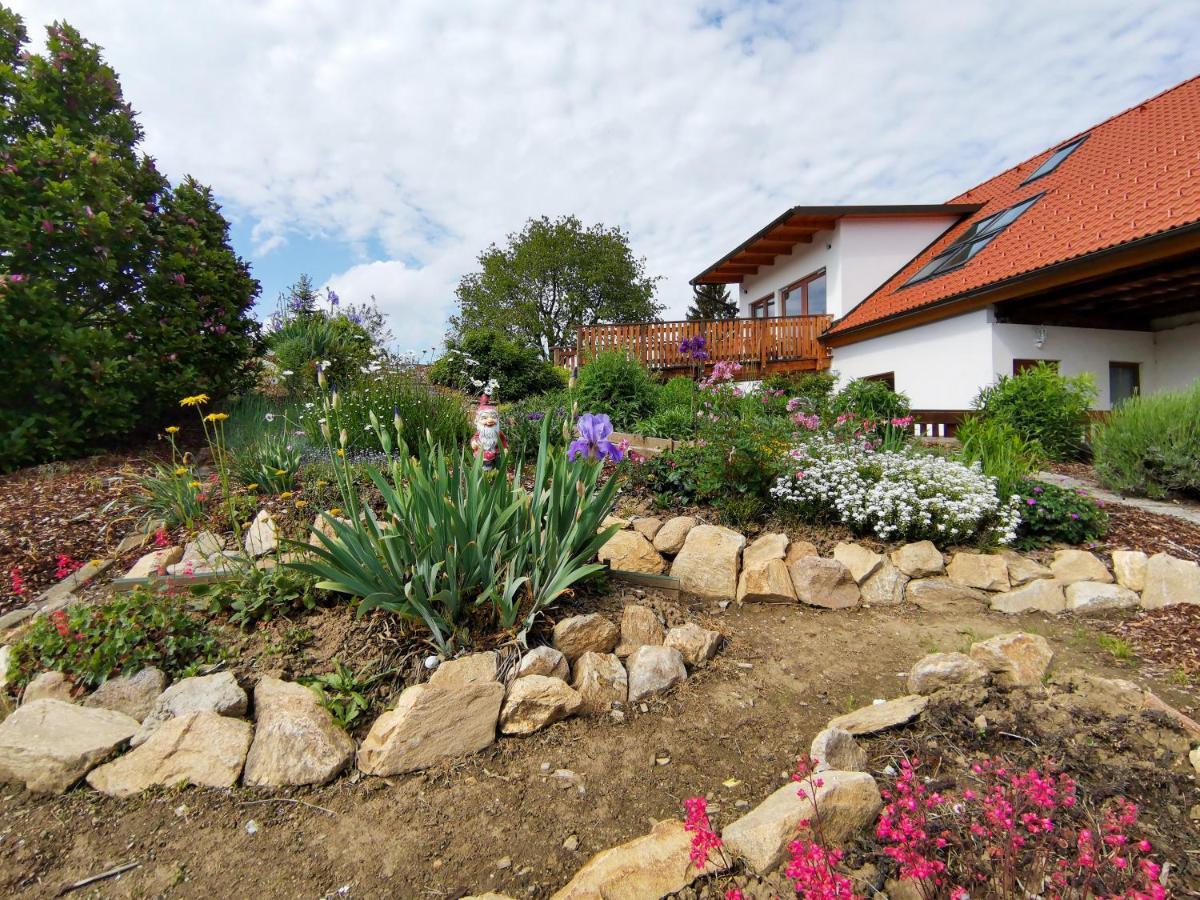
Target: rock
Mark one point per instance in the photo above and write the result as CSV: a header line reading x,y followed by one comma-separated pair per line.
x,y
921,559
1194,759
825,583
1090,596
942,595
939,670
798,550
601,681
48,686
639,626
217,693
647,526
5,662
200,748
984,571
653,670
609,521
322,526
763,549
885,587
154,562
48,745
544,661
707,566
861,562
430,724
654,865
296,740
535,701
835,748
474,668
1015,659
1070,566
1111,696
768,582
205,544
1170,581
631,552
695,644
583,634
673,534
262,536
1129,567
1044,594
848,803
1022,569
881,716
133,695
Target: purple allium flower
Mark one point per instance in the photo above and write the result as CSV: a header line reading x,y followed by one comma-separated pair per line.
x,y
593,441
334,299
536,416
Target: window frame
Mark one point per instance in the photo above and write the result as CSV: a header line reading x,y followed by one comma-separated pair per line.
x,y
802,286
1137,379
764,304
1067,150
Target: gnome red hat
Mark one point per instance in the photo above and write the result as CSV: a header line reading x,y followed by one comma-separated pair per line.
x,y
485,405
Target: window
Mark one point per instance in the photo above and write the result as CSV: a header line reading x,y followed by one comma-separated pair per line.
x,y
806,297
1020,365
888,378
764,308
971,241
1124,381
1055,159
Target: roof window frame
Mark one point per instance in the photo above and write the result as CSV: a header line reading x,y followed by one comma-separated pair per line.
x,y
1066,150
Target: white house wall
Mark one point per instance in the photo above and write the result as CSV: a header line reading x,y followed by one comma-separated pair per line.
x,y
805,259
1177,357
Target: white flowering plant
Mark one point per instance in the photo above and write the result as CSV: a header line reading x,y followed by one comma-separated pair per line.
x,y
897,495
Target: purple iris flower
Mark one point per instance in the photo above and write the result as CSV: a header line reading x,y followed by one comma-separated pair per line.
x,y
593,441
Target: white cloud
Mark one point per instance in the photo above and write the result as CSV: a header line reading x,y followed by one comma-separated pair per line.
x,y
431,129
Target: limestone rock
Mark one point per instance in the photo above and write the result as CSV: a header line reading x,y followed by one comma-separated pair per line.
x,y
217,693
296,740
430,724
474,668
639,626
763,549
767,582
653,670
671,537
1022,569
939,670
707,566
647,526
798,550
885,587
133,695
600,681
983,571
654,865
942,595
1070,566
881,716
583,634
535,701
920,559
1170,581
263,535
544,661
1043,594
154,562
631,552
322,526
48,686
835,748
825,583
1091,596
204,545
848,802
200,748
1015,659
861,562
695,644
609,521
48,745
1129,567
1194,759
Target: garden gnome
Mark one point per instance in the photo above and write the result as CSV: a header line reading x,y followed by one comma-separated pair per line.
x,y
488,438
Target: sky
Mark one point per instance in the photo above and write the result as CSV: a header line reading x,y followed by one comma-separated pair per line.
x,y
381,146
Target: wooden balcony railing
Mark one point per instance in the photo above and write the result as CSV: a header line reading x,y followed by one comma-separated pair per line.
x,y
787,343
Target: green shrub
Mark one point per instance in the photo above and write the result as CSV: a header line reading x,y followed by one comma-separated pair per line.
x,y
522,422
869,399
669,476
1151,445
171,493
679,422
1042,405
679,392
271,464
487,355
618,385
259,595
1052,514
813,389
1000,451
303,341
94,642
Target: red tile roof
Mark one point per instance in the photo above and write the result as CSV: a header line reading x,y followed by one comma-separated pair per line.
x,y
1137,175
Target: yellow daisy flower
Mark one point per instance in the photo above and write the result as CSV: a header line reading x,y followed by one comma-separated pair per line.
x,y
194,484
252,486
301,503
341,452
335,511
216,417
181,470
280,472
286,495
172,429
197,400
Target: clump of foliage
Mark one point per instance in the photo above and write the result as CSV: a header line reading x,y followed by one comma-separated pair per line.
x,y
1041,405
1150,445
118,293
522,422
270,464
811,390
343,692
618,385
711,302
487,356
869,399
260,595
94,642
1052,514
999,451
670,477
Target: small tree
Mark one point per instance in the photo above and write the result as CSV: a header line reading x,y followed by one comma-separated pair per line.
x,y
711,301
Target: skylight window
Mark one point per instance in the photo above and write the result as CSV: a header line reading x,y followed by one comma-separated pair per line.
x,y
1055,159
971,241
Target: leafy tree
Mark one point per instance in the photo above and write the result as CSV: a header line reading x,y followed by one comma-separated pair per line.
x,y
107,277
485,355
712,301
552,277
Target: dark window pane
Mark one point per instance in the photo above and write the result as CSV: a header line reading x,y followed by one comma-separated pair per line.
x,y
816,296
1055,159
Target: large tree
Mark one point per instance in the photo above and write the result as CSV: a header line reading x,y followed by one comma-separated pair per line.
x,y
711,301
552,277
117,294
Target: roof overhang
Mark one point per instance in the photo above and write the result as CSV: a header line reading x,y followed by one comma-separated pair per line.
x,y
798,225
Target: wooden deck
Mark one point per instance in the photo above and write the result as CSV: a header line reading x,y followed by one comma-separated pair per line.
x,y
784,344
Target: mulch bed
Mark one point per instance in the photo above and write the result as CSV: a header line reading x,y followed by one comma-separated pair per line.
x,y
1132,528
1167,640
